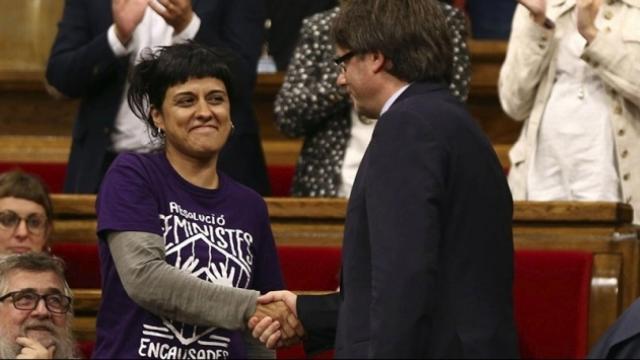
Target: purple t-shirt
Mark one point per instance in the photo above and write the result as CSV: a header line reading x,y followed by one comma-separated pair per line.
x,y
220,236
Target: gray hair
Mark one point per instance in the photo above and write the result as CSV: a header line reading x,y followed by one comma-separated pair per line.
x,y
38,262
34,262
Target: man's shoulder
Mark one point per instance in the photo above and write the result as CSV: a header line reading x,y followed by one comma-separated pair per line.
x,y
430,102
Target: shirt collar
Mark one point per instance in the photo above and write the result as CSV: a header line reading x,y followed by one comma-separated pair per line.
x,y
393,98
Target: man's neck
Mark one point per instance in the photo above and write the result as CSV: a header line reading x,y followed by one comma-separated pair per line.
x,y
389,86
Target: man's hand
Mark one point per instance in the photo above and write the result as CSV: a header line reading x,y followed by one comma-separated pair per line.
x,y
32,349
177,13
538,11
127,14
587,12
283,329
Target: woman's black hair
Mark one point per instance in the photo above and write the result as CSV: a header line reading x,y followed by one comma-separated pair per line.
x,y
167,66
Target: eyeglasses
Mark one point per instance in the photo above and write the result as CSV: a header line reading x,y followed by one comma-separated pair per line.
x,y
341,61
9,221
28,300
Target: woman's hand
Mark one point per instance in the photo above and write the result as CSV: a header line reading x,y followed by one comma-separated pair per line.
x,y
587,12
538,11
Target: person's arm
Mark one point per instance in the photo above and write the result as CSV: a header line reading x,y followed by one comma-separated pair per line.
x,y
405,184
615,57
166,291
80,59
319,317
256,349
461,75
527,61
309,95
239,27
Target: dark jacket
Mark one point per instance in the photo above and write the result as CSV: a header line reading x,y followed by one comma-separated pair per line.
x,y
428,252
622,339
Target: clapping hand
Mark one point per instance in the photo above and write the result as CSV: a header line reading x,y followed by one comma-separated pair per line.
x,y
127,14
587,12
31,349
282,329
538,10
177,13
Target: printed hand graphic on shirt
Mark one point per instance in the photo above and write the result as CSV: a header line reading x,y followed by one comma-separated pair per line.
x,y
190,265
224,276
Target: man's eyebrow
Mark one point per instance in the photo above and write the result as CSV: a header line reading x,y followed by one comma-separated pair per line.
x,y
50,290
53,290
26,290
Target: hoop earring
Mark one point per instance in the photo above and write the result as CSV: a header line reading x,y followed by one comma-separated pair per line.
x,y
161,133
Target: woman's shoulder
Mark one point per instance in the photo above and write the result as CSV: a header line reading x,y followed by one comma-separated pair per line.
x,y
322,19
137,159
130,166
238,191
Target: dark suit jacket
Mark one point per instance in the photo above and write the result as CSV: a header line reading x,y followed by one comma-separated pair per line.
x,y
622,339
428,253
82,65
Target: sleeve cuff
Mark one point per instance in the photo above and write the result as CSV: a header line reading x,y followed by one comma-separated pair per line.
x,y
118,49
189,32
539,36
600,49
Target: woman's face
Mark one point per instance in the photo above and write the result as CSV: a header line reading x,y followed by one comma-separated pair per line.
x,y
195,118
23,226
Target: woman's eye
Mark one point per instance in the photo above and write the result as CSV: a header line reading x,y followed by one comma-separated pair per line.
x,y
215,99
185,102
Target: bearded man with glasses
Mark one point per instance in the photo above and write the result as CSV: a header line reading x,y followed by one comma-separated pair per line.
x,y
35,308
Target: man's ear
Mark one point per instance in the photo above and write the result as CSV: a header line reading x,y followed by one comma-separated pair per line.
x,y
158,119
380,62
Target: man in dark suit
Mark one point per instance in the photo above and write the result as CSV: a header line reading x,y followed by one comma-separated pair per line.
x,y
622,339
428,253
93,51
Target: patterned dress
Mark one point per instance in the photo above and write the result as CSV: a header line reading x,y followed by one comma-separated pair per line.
x,y
311,105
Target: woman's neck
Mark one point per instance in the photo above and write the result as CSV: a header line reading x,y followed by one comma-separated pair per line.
x,y
199,172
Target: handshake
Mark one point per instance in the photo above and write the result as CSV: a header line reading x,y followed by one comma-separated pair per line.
x,y
275,322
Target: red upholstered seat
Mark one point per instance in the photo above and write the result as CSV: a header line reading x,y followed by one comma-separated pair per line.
x,y
51,174
280,178
551,300
86,348
307,268
310,268
83,264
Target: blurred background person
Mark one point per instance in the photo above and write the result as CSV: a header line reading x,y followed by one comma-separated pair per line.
x,y
285,19
490,19
576,86
99,40
26,213
184,249
311,105
30,328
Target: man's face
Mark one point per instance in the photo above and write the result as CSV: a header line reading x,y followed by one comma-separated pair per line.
x,y
39,324
355,77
